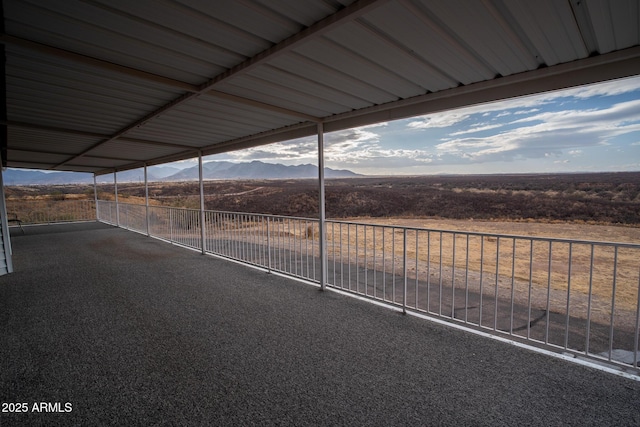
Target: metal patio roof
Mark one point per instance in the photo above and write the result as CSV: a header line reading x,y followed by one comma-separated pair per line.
x,y
98,85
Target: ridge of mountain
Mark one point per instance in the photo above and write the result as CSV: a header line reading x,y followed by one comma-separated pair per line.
x,y
211,170
256,170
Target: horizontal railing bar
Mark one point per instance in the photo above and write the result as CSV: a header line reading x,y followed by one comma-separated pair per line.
x,y
506,236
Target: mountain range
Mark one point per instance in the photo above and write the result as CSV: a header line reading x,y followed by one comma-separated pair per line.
x,y
211,170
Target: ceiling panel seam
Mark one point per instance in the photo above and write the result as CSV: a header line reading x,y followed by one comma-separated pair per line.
x,y
386,38
466,53
381,69
175,33
329,92
526,55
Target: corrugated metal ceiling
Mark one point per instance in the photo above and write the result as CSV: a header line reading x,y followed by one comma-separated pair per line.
x,y
96,85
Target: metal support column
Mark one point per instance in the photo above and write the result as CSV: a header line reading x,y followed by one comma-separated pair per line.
x,y
146,199
5,251
323,234
5,238
200,177
95,195
115,184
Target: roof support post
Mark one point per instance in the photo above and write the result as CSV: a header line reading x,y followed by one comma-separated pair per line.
x,y
95,195
5,238
146,199
200,179
6,251
115,184
321,220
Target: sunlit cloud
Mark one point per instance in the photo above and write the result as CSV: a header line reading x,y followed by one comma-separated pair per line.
x,y
437,120
478,128
562,130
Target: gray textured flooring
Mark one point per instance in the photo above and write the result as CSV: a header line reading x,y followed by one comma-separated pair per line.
x,y
133,331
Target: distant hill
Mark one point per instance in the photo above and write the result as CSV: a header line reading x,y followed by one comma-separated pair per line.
x,y
211,170
31,177
256,170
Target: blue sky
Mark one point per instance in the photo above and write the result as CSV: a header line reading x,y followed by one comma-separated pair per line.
x,y
587,129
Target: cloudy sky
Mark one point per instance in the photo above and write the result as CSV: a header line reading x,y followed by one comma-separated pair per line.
x,y
592,128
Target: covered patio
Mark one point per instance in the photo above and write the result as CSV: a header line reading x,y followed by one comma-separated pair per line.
x,y
131,330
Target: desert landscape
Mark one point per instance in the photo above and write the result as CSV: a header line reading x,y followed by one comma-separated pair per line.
x,y
598,206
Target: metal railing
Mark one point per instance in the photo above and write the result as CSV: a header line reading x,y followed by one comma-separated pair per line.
x,y
568,296
48,211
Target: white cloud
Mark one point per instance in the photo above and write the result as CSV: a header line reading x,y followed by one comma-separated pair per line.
x,y
611,88
530,111
478,128
550,133
437,120
524,105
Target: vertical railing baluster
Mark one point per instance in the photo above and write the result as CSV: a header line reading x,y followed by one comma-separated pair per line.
x,y
495,305
366,292
268,245
375,262
530,289
637,331
453,278
481,271
349,254
613,300
404,268
171,225
513,285
441,260
548,316
466,283
428,271
384,265
417,270
357,262
393,265
566,326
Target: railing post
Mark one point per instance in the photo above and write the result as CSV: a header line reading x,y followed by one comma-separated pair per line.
x,y
115,184
404,269
171,225
268,247
200,177
146,199
323,235
95,196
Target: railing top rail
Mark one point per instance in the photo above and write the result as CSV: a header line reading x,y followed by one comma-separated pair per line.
x,y
264,215
409,228
502,236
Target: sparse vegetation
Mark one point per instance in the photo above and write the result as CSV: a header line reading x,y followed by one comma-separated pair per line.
x,y
602,198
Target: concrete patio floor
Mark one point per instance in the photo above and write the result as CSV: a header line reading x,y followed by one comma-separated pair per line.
x,y
109,327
